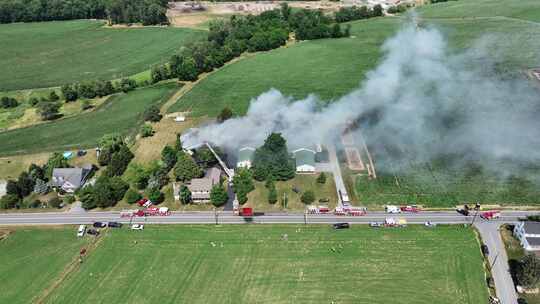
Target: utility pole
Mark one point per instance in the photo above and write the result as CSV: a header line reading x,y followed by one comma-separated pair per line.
x,y
305,218
494,260
476,209
216,216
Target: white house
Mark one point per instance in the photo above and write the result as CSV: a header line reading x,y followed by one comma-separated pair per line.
x,y
245,157
528,234
69,179
305,160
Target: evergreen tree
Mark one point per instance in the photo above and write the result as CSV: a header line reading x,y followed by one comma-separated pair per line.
x,y
218,195
322,178
185,195
308,197
186,168
273,159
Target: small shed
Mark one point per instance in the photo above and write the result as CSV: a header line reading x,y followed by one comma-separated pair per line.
x,y
245,157
305,160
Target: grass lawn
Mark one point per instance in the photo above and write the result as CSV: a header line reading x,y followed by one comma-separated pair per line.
x,y
519,9
258,198
45,54
251,264
33,258
121,113
515,253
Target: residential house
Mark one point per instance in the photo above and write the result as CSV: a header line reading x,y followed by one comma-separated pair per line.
x,y
305,160
245,157
69,179
528,234
200,187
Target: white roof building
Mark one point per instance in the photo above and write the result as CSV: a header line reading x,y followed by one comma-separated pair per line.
x,y
528,234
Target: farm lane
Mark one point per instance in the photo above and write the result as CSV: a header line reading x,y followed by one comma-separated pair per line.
x,y
498,260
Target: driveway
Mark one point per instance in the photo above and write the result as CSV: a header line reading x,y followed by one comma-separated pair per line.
x,y
498,260
336,170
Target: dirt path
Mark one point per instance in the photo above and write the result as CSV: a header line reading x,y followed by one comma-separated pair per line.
x,y
70,268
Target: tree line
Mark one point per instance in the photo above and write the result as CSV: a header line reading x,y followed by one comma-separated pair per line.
x,y
147,12
252,33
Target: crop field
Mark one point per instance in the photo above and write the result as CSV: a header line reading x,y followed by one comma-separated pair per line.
x,y
524,9
45,54
121,113
331,68
33,259
251,264
443,187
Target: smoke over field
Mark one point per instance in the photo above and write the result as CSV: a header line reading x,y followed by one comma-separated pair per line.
x,y
422,100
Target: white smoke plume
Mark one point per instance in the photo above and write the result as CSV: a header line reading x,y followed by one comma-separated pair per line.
x,y
422,99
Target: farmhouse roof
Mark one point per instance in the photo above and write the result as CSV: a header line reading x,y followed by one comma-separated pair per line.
x,y
246,154
531,227
206,183
75,176
304,157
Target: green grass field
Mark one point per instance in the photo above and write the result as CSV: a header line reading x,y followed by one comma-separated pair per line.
x,y
258,198
33,258
121,113
519,9
331,68
249,264
443,187
45,54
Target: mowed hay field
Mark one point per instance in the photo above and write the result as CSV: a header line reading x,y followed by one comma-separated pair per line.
x,y
331,68
252,264
34,258
45,54
121,113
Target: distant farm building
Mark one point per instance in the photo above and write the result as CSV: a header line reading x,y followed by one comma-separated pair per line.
x,y
305,160
201,187
245,157
69,179
528,234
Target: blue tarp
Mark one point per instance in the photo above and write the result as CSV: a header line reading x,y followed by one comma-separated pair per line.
x,y
67,155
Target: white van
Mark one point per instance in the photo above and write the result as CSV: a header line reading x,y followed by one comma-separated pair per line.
x,y
81,231
392,209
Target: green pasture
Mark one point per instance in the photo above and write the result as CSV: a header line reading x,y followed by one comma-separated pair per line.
x,y
46,54
121,113
253,264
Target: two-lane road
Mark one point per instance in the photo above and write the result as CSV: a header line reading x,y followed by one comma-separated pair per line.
x,y
488,229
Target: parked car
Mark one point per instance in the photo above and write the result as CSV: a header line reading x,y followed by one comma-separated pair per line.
x,y
341,225
93,232
464,211
114,224
99,225
137,227
485,249
295,190
324,200
375,224
81,230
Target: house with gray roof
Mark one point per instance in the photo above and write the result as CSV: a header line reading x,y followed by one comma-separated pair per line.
x,y
200,188
305,160
245,157
528,234
69,179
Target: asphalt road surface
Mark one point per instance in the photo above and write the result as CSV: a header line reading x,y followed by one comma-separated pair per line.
x,y
488,229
